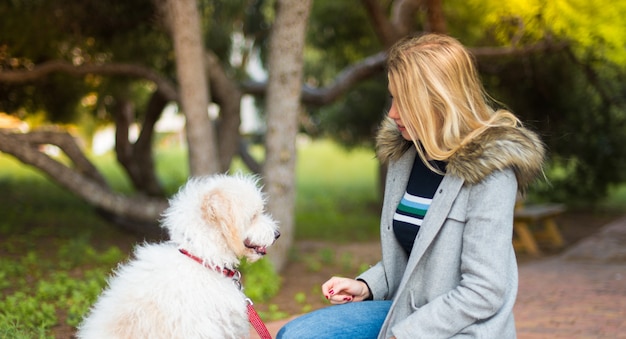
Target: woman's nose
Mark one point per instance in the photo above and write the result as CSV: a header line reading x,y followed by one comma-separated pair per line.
x,y
393,112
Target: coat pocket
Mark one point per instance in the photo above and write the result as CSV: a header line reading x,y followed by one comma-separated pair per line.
x,y
413,303
458,212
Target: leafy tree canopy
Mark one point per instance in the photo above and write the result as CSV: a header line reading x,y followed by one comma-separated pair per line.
x,y
572,94
595,28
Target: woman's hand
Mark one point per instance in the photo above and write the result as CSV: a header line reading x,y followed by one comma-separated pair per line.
x,y
342,290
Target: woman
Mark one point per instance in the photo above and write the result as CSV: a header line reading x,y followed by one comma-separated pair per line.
x,y
448,267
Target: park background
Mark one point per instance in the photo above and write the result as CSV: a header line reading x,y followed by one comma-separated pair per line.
x,y
104,116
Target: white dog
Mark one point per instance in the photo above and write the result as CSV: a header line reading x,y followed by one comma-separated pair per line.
x,y
188,287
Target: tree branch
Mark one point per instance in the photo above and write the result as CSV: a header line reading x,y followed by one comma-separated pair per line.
x,y
349,77
67,144
375,64
165,86
136,158
227,95
247,158
387,33
25,147
493,52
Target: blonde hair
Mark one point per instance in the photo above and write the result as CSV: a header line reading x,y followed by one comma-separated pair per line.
x,y
439,96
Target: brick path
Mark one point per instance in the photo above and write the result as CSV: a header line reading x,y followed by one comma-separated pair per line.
x,y
580,294
560,299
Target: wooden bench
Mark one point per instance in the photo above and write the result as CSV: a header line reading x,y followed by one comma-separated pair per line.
x,y
536,222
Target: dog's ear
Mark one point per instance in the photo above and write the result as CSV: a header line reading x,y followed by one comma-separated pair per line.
x,y
219,210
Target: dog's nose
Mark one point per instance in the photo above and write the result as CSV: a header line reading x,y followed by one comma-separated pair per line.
x,y
276,235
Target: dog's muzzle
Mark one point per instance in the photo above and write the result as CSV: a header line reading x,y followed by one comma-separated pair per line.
x,y
261,250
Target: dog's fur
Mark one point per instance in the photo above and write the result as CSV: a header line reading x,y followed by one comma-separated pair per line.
x,y
163,293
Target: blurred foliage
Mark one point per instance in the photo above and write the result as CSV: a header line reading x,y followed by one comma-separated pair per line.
x,y
595,28
583,122
353,119
95,32
572,96
53,267
85,32
260,280
340,35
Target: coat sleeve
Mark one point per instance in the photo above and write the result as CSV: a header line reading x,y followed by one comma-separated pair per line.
x,y
485,260
375,278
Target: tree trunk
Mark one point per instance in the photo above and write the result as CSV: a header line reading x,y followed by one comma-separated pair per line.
x,y
184,23
384,28
83,179
283,107
136,158
403,15
436,21
227,95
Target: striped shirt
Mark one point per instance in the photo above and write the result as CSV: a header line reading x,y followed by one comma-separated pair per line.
x,y
411,210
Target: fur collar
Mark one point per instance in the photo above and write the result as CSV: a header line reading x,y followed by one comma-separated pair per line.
x,y
496,149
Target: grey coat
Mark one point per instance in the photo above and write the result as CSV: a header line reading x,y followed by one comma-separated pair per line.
x,y
461,278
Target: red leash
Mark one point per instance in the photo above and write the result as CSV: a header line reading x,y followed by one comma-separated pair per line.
x,y
253,316
256,322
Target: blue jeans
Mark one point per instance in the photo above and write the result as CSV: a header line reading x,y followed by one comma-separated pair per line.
x,y
358,320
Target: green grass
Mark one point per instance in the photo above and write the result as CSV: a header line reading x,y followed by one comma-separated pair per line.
x,y
56,252
337,198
